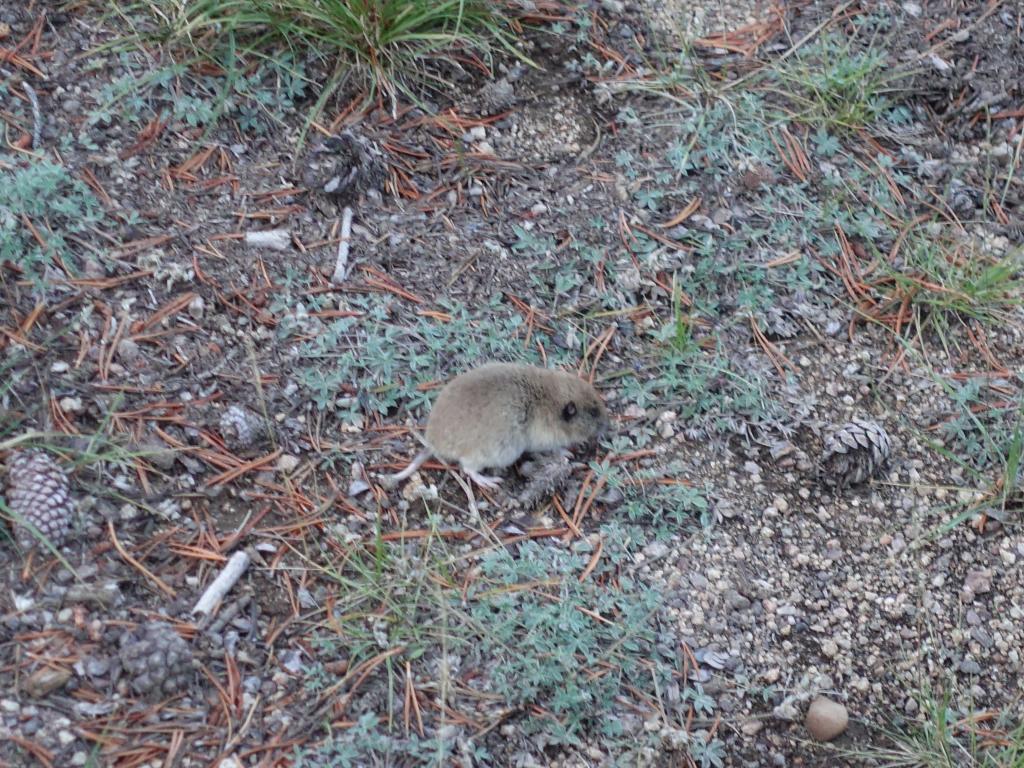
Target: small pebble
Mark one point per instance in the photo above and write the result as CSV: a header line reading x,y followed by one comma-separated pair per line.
x,y
71,404
196,307
46,680
287,463
826,719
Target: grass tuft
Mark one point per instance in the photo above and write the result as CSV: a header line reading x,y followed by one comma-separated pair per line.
x,y
943,738
838,86
389,48
940,278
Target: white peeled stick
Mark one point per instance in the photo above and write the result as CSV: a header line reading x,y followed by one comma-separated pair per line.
x,y
226,579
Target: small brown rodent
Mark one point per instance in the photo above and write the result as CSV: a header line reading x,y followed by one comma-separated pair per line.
x,y
490,416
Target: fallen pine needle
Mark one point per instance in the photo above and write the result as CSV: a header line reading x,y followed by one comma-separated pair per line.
x,y
593,560
138,566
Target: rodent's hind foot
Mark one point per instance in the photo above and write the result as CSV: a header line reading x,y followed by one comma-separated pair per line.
x,y
484,481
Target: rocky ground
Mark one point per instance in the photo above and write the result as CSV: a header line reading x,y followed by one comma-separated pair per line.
x,y
750,224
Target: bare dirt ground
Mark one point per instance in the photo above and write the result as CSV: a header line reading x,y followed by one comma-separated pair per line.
x,y
748,225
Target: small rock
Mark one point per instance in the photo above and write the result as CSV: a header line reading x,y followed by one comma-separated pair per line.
x,y
698,580
786,710
978,581
128,351
736,601
752,727
826,719
939,63
97,666
196,307
357,487
634,411
287,463
970,667
912,9
71,404
46,680
497,95
157,452
655,550
10,706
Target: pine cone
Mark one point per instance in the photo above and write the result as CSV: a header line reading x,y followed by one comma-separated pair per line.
x,y
240,427
546,478
157,660
345,166
854,452
38,495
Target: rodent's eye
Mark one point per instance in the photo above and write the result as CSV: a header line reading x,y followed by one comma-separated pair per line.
x,y
569,411
594,411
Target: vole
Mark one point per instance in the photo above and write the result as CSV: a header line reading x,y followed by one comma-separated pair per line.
x,y
491,415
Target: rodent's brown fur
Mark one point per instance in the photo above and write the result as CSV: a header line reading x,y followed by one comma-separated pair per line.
x,y
490,416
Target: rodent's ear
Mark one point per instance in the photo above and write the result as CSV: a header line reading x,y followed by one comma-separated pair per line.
x,y
569,411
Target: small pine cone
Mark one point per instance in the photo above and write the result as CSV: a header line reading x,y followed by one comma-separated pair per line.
x,y
240,427
38,493
158,661
546,478
345,166
854,452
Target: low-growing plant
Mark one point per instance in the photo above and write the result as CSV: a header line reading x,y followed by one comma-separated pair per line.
x,y
662,505
560,641
41,207
258,98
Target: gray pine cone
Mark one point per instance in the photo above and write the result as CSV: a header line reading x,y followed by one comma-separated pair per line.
x,y
546,478
345,166
854,452
240,427
157,660
38,494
